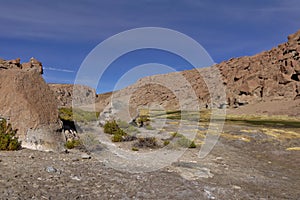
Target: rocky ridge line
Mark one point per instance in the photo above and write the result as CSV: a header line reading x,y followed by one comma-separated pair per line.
x,y
272,75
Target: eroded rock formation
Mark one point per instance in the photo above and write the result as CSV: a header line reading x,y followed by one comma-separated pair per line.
x,y
30,105
272,75
267,76
65,94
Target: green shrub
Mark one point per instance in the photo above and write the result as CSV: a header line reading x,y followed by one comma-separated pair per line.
x,y
149,142
134,149
166,142
120,132
192,145
143,119
8,140
110,127
174,134
70,144
118,135
117,138
183,141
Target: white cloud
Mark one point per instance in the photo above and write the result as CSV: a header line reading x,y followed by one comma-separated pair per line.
x,y
59,69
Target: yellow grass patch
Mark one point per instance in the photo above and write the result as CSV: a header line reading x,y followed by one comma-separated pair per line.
x,y
262,117
236,137
143,112
249,131
281,134
293,149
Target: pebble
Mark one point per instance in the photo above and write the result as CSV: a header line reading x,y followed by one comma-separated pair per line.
x,y
85,156
51,169
236,187
76,178
209,194
218,158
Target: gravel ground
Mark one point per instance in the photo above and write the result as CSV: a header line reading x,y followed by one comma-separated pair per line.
x,y
233,170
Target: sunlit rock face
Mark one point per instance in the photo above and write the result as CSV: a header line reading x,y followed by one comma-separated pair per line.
x,y
29,105
272,75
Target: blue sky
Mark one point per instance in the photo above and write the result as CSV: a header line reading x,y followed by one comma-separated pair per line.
x,y
61,33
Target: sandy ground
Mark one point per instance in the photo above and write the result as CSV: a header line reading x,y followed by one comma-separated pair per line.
x,y
276,107
259,168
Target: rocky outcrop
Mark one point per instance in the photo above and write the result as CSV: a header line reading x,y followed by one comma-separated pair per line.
x,y
267,76
29,105
33,64
272,75
65,94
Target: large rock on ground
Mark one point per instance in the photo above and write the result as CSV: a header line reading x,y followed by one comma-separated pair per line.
x,y
29,104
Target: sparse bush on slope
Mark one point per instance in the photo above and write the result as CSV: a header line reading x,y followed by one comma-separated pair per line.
x,y
111,127
8,139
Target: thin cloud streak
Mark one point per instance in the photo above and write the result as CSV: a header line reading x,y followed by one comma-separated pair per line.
x,y
59,69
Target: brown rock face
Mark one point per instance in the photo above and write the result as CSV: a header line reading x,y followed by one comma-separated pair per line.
x,y
268,76
33,64
65,94
30,106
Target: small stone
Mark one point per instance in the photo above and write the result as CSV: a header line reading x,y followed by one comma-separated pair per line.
x,y
51,169
86,156
219,158
236,187
76,178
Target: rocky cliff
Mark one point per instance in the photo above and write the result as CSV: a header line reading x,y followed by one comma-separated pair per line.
x,y
65,94
267,76
272,75
29,105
